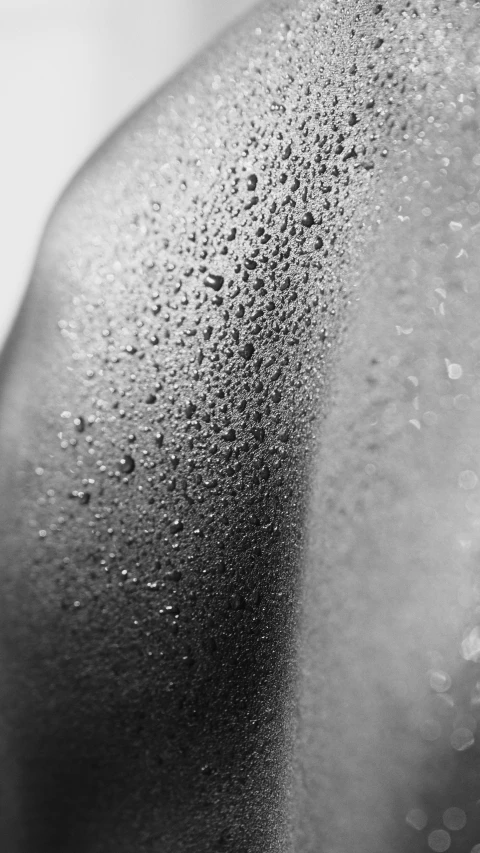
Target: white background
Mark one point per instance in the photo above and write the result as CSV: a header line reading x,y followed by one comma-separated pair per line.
x,y
70,70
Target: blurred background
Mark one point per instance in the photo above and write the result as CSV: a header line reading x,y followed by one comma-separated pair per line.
x,y
70,70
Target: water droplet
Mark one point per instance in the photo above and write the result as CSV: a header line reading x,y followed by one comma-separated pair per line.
x,y
454,818
462,739
471,645
175,575
439,681
439,840
247,351
190,409
417,819
454,371
214,281
127,464
308,220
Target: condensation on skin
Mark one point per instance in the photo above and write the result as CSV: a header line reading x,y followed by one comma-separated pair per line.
x,y
391,674
471,645
417,819
191,289
199,275
454,818
439,840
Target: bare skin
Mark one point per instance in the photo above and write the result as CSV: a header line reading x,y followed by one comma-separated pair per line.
x,y
240,419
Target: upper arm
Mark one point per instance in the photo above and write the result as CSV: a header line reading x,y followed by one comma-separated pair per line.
x,y
176,348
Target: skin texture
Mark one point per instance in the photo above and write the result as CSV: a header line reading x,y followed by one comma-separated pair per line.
x,y
238,539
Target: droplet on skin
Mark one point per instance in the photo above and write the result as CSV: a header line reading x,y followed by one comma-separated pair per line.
x,y
308,220
215,282
127,464
454,818
247,351
175,575
471,645
439,840
439,681
462,739
190,409
417,819
455,371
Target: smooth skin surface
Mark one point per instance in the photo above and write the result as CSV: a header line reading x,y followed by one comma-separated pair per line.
x,y
239,437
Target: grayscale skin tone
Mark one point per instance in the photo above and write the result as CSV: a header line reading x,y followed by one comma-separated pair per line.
x,y
240,432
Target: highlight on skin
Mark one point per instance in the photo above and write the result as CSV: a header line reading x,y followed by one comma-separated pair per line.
x,y
239,433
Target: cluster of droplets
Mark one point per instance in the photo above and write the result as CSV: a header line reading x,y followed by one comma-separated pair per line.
x,y
452,719
201,323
